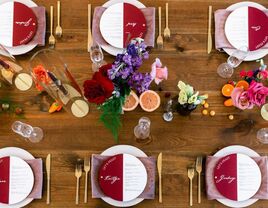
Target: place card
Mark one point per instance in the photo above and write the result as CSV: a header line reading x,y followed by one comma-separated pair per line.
x,y
16,180
122,177
247,26
237,177
122,22
18,24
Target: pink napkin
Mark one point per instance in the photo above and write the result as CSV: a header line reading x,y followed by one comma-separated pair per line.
x,y
220,39
213,193
149,163
39,38
37,168
149,14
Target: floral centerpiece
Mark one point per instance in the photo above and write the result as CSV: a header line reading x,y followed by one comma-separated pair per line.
x,y
188,99
250,90
110,86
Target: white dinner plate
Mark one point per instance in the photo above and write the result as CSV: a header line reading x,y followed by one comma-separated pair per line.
x,y
242,150
121,149
252,55
23,154
108,48
18,50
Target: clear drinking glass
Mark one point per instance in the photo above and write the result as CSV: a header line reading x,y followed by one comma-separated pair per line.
x,y
142,130
12,73
168,115
226,70
33,134
96,56
262,135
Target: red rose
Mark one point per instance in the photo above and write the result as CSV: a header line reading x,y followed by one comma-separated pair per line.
x,y
99,88
104,69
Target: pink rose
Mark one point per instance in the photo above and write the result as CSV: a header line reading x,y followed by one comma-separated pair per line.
x,y
264,74
240,99
158,72
257,93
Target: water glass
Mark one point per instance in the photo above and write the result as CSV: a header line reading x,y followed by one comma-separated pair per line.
x,y
262,135
226,70
33,134
142,130
96,56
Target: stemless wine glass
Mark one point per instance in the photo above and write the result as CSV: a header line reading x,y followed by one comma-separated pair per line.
x,y
226,70
96,56
12,73
33,134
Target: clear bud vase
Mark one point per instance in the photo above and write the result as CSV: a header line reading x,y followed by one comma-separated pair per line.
x,y
142,131
12,73
51,74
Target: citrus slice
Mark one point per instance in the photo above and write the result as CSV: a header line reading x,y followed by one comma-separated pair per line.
x,y
227,90
149,101
228,102
242,83
132,101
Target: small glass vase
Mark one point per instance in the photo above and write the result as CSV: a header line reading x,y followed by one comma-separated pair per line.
x,y
51,74
142,131
185,109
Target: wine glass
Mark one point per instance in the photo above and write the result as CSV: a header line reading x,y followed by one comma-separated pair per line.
x,y
226,70
96,56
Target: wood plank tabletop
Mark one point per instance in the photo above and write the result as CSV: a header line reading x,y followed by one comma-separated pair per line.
x,y
185,54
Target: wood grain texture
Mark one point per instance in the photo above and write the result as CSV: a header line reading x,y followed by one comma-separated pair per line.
x,y
68,138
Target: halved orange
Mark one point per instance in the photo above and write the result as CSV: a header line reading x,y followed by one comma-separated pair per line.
x,y
228,102
242,83
131,102
227,90
149,101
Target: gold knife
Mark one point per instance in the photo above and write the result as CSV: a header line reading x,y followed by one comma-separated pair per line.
x,y
48,165
159,167
89,36
209,30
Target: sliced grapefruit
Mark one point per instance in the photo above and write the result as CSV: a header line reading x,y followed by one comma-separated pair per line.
x,y
227,90
243,84
228,102
131,102
149,101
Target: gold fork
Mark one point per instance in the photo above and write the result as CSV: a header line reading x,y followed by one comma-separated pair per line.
x,y
86,169
51,39
191,176
159,40
167,30
58,28
78,174
198,168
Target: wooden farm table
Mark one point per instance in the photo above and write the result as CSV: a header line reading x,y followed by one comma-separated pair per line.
x,y
68,138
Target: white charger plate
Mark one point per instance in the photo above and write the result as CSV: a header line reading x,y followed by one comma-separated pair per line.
x,y
108,48
23,154
18,50
242,150
121,149
252,55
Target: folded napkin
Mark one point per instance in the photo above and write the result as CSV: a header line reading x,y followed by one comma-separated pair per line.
x,y
213,193
149,163
39,38
220,38
149,14
37,168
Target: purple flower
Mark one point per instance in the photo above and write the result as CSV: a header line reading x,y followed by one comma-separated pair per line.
x,y
140,82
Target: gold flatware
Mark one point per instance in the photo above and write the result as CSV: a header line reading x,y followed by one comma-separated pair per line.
x,y
159,40
191,176
198,168
209,30
58,28
78,174
89,36
159,167
48,168
86,169
51,40
167,30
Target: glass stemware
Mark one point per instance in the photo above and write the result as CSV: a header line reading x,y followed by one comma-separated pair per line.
x,y
168,115
96,56
226,70
262,135
33,134
142,130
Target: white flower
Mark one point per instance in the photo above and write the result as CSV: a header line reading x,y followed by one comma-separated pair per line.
x,y
193,98
182,97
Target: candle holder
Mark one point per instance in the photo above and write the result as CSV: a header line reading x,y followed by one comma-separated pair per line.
x,y
51,74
